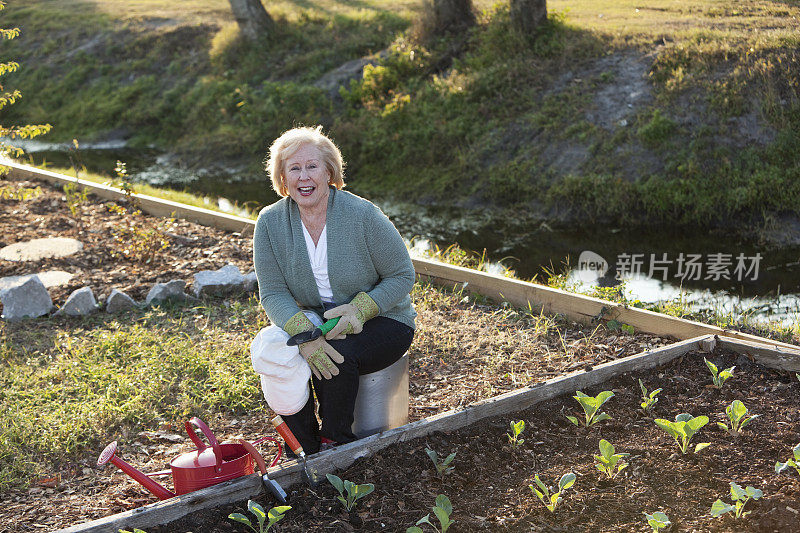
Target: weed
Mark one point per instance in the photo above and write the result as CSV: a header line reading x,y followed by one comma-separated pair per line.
x,y
138,238
657,130
551,501
76,198
442,466
349,492
591,408
442,509
274,515
740,498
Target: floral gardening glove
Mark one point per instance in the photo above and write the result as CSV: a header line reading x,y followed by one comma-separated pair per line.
x,y
353,315
318,353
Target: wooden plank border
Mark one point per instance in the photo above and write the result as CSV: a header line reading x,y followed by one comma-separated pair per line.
x,y
341,457
577,307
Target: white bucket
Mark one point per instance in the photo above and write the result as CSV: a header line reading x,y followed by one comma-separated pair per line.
x,y
382,401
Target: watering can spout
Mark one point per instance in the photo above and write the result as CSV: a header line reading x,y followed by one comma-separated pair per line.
x,y
109,455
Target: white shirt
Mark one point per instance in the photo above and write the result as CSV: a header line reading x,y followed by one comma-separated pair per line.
x,y
318,256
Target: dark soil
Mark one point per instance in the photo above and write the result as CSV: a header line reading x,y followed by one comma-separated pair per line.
x,y
489,487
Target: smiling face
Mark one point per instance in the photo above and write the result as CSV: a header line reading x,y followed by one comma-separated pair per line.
x,y
307,178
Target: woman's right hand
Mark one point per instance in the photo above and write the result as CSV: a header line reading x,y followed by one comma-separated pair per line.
x,y
320,356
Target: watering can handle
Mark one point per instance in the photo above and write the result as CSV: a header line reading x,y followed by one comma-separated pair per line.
x,y
210,436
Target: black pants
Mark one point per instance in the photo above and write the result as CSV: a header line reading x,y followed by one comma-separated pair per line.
x,y
382,342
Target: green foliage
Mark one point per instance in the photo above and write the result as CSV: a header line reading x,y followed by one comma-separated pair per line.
x,y
551,501
591,408
349,492
137,237
738,417
740,498
657,521
615,325
609,462
442,466
274,515
683,429
659,128
648,400
442,509
719,378
11,192
76,198
792,462
516,430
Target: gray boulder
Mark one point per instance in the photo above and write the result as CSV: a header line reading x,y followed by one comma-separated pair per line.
x,y
226,280
28,299
250,282
172,290
118,301
80,302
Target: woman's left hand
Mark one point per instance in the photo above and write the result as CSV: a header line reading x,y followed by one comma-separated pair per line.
x,y
353,315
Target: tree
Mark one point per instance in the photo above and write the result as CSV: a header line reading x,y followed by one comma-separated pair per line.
x,y
452,15
252,18
527,15
8,98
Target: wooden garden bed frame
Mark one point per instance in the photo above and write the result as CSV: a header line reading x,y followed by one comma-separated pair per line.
x,y
580,308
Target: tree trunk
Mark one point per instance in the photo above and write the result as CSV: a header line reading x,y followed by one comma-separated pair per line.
x,y
453,15
253,19
527,15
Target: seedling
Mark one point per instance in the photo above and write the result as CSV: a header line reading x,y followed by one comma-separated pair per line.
x,y
354,492
591,407
608,462
737,415
794,463
657,520
648,400
442,467
516,430
740,498
274,515
719,378
683,429
442,509
551,501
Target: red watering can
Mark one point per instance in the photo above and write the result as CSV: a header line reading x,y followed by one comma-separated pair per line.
x,y
197,469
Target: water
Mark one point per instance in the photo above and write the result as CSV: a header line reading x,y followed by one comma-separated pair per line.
x,y
663,265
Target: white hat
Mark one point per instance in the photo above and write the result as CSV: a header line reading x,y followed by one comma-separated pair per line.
x,y
284,372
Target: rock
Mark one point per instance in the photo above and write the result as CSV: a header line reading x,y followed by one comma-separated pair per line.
x,y
250,282
37,249
51,278
28,299
118,301
341,75
226,280
80,302
172,290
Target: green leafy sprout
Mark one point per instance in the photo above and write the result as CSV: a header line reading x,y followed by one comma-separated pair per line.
x,y
442,466
270,517
657,521
442,510
683,429
591,407
648,400
551,501
719,378
609,462
738,417
354,492
740,498
516,430
794,462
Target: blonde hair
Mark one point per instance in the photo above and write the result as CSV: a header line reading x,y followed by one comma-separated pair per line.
x,y
290,142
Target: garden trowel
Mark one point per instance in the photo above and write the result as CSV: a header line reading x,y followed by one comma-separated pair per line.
x,y
312,334
294,445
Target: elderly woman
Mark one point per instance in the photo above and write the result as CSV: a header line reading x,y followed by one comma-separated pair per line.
x,y
322,249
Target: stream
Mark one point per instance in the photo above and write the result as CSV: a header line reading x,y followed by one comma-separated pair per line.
x,y
707,272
